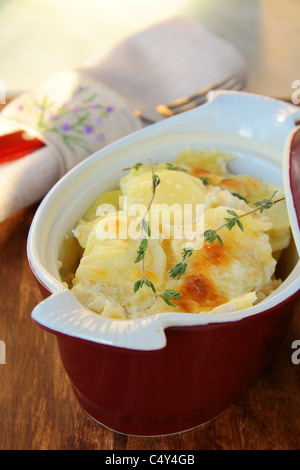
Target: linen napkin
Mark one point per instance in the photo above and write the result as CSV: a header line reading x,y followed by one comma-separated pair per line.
x,y
77,112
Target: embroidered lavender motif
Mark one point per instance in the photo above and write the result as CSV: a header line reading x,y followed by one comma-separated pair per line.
x,y
76,121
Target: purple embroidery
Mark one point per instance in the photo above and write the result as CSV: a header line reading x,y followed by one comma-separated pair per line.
x,y
65,127
88,129
109,109
77,121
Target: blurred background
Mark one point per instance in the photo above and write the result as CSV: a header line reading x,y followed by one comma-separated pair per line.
x,y
38,37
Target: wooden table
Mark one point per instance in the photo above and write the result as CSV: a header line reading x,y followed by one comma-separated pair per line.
x,y
39,411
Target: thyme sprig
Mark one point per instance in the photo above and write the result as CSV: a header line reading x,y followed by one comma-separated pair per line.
x,y
170,166
205,179
180,268
144,226
211,235
239,196
168,294
266,203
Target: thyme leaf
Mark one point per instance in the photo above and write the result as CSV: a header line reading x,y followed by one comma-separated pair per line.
x,y
211,235
170,166
232,221
141,250
137,166
168,295
265,203
178,270
238,195
205,180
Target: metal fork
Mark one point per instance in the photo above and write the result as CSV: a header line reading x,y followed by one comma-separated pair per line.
x,y
188,102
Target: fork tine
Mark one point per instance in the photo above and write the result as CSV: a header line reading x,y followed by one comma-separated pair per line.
x,y
188,102
192,101
200,93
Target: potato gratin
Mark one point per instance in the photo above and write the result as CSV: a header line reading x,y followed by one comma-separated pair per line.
x,y
218,277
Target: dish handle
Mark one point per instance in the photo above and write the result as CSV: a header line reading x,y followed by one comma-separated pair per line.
x,y
296,117
62,314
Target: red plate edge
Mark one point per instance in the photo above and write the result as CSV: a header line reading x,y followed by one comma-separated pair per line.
x,y
292,171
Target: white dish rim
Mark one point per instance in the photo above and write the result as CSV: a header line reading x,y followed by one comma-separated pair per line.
x,y
63,314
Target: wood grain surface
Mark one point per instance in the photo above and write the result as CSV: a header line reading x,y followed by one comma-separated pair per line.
x,y
38,410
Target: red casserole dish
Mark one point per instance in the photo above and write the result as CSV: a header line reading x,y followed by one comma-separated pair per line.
x,y
170,372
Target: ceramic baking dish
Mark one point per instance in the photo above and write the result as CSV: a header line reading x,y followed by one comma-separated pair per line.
x,y
169,372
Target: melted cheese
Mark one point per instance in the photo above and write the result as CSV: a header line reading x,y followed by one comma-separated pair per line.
x,y
217,273
212,160
252,189
175,188
219,278
107,271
